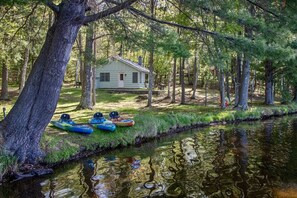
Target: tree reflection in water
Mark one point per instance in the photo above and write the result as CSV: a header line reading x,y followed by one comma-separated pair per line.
x,y
247,160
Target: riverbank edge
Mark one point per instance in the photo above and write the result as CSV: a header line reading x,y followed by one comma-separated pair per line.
x,y
229,117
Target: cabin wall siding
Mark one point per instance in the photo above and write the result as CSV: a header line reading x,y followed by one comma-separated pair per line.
x,y
115,68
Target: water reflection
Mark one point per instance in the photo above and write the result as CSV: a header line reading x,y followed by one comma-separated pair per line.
x,y
237,161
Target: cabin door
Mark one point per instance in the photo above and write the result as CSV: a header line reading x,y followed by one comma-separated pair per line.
x,y
121,80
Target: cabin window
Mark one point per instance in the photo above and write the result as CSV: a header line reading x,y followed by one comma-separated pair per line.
x,y
104,77
135,77
146,78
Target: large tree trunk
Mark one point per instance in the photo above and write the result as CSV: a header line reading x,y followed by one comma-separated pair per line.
x,y
24,69
173,81
196,73
24,125
182,82
244,89
86,96
269,98
4,88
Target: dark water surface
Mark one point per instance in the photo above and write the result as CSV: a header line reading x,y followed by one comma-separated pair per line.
x,y
256,159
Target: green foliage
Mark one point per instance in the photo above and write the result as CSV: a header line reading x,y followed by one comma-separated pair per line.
x,y
101,61
286,96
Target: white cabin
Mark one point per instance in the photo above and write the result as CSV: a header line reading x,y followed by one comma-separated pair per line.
x,y
121,73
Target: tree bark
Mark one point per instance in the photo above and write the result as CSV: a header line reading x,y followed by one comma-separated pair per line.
x,y
244,89
196,74
227,86
24,125
222,89
206,90
4,88
80,55
173,81
237,79
94,75
151,62
182,82
151,79
86,96
169,85
269,98
77,76
24,68
295,94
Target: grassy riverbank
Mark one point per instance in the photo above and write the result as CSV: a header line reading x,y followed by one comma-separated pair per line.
x,y
150,123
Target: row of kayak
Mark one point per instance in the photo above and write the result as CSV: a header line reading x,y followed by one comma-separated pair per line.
x,y
98,121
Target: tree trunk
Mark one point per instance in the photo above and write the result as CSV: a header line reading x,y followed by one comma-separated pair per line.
x,y
295,94
190,81
237,79
244,89
182,82
94,75
151,62
4,88
77,76
269,98
24,68
196,74
24,125
169,85
80,55
86,96
94,86
222,89
227,86
206,91
173,81
151,78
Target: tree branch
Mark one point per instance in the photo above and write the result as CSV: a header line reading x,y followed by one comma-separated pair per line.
x,y
6,11
261,7
27,18
98,37
108,12
52,6
178,25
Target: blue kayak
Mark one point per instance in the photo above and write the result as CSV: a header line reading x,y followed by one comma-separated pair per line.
x,y
106,126
66,124
72,128
101,123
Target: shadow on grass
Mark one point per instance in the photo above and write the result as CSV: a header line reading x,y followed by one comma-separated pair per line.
x,y
105,97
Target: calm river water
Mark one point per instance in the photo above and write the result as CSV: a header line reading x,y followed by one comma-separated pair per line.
x,y
257,159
